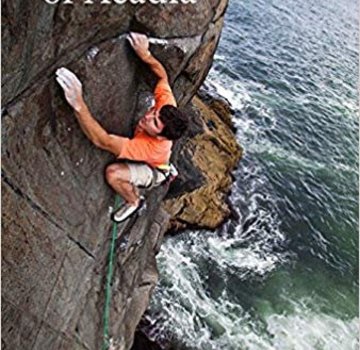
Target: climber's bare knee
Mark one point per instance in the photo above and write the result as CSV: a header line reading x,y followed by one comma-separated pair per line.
x,y
117,172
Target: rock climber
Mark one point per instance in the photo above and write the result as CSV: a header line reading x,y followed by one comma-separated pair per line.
x,y
148,153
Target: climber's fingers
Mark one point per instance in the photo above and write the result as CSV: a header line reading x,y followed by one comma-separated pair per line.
x,y
138,40
62,83
129,38
65,82
69,78
72,87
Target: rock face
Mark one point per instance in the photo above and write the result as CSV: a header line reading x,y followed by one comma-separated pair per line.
x,y
56,228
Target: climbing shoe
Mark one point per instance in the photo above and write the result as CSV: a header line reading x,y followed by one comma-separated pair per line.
x,y
125,211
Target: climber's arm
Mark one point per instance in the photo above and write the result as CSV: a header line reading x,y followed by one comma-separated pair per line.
x,y
97,134
162,93
92,129
140,44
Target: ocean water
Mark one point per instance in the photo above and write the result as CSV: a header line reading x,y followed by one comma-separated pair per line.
x,y
285,275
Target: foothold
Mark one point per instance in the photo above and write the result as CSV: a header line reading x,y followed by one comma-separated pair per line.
x,y
69,129
77,163
62,173
110,210
81,160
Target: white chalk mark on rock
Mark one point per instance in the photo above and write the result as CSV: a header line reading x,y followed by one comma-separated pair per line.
x,y
92,53
156,41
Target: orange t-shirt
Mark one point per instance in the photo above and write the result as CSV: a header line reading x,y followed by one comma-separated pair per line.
x,y
146,148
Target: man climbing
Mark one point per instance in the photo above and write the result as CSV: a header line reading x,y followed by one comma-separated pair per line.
x,y
148,153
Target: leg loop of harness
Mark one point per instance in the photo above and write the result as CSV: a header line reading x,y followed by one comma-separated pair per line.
x,y
169,175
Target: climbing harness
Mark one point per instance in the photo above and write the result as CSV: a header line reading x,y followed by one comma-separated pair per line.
x,y
168,171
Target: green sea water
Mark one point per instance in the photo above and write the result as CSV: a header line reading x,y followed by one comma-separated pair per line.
x,y
285,275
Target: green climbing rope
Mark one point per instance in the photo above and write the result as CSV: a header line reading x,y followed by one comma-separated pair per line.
x,y
106,342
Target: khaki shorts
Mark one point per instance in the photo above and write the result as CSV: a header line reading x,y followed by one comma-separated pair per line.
x,y
142,175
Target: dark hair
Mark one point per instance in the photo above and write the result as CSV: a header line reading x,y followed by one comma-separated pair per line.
x,y
175,122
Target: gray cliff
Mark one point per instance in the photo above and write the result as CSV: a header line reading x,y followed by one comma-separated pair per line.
x,y
55,203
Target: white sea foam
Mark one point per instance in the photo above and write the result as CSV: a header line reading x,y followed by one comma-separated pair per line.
x,y
248,260
189,310
305,329
218,57
234,91
197,320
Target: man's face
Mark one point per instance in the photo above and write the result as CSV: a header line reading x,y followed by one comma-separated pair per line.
x,y
151,122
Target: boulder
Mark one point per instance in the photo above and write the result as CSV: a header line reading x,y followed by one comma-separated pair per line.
x,y
200,200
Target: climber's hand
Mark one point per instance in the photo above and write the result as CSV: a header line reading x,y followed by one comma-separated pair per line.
x,y
72,87
140,44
